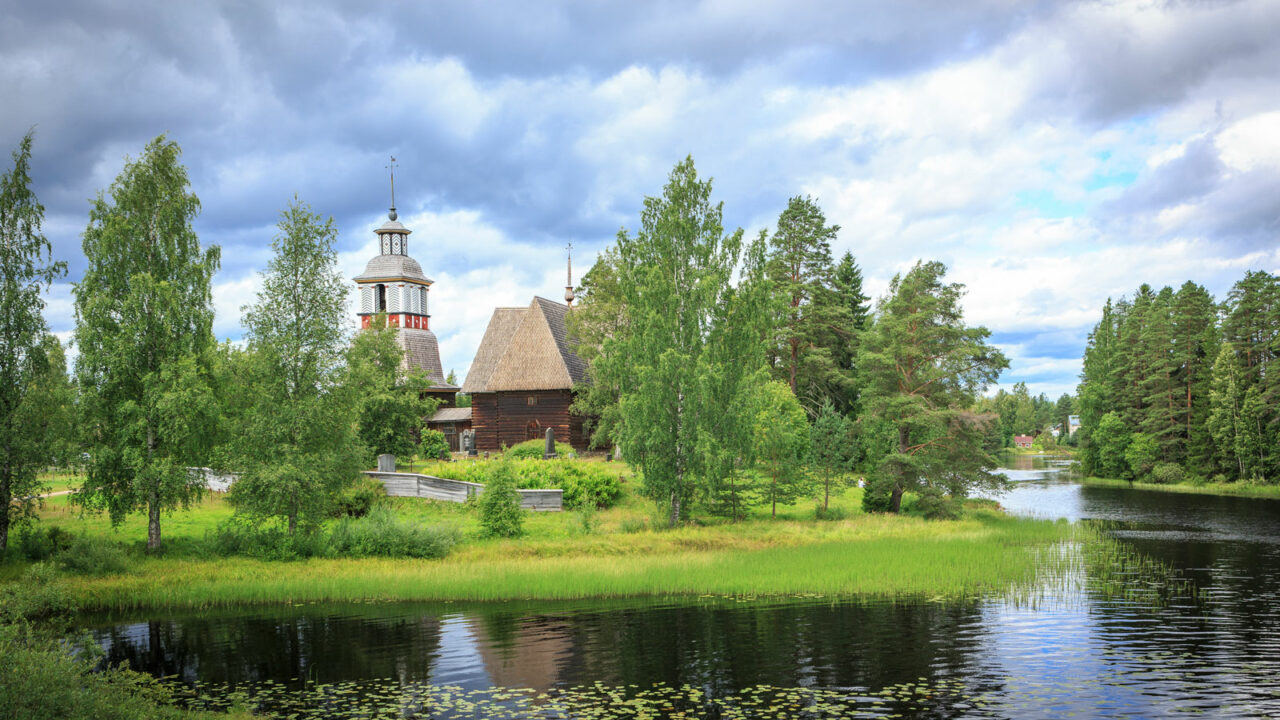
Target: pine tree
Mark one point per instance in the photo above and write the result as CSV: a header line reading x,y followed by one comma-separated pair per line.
x,y
923,366
816,326
1157,386
143,329
1195,340
849,295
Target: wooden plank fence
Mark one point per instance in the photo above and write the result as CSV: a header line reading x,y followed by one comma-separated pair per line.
x,y
427,486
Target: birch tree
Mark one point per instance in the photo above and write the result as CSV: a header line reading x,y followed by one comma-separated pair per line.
x,y
144,314
26,268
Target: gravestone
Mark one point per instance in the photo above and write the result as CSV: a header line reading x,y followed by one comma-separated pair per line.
x,y
386,462
469,442
550,451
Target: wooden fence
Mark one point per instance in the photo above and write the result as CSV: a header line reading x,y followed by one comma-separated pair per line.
x,y
427,486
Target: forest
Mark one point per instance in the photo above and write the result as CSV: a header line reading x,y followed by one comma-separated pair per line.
x,y
1179,386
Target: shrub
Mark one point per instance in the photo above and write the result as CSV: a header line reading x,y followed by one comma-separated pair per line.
x,y
1167,473
381,534
37,544
533,450
266,541
39,597
434,446
358,498
500,512
1220,479
93,557
829,513
584,483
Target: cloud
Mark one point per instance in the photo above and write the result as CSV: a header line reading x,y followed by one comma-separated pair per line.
x,y
1052,154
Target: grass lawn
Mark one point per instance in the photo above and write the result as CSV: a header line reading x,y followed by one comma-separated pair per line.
x,y
1241,489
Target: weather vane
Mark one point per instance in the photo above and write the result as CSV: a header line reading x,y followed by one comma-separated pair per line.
x,y
392,168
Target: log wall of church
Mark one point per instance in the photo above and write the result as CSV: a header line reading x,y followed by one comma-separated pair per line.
x,y
508,418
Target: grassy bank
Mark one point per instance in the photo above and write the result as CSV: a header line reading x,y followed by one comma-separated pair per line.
x,y
1237,489
616,553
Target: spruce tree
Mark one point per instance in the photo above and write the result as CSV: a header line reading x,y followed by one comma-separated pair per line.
x,y
144,314
1195,341
848,288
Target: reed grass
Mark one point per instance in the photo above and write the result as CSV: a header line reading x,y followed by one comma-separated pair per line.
x,y
873,556
1238,489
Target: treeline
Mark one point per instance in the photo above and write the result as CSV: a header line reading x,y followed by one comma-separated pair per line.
x,y
1022,413
736,372
1178,386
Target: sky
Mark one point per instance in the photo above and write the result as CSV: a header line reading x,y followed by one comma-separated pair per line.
x,y
1051,154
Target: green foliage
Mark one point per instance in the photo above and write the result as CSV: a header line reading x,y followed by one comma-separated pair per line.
x,y
34,402
382,534
39,597
598,316
1141,454
534,449
433,445
84,556
781,442
392,407
143,330
357,499
1111,440
1168,473
922,368
832,449
816,324
674,293
848,290
36,544
296,447
500,512
266,540
585,484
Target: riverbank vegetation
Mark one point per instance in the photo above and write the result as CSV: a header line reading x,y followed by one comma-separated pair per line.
x,y
1180,389
1237,489
622,552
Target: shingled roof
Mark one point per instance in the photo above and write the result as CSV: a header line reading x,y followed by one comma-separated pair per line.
x,y
526,349
421,351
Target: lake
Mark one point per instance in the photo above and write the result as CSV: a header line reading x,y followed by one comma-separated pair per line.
x,y
1070,651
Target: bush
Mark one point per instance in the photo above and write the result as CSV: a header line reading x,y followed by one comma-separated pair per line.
x,y
434,445
829,513
584,483
265,541
381,534
500,512
93,557
39,597
37,544
533,450
1167,473
358,498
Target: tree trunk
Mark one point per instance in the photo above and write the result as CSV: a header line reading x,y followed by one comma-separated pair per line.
x,y
826,493
293,523
153,522
895,500
774,497
675,508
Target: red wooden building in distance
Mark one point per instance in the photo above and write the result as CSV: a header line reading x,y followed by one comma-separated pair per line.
x,y
1023,441
521,381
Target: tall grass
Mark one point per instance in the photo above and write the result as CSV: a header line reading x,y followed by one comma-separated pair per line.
x,y
889,557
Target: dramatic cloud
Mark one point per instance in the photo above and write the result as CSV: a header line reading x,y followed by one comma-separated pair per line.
x,y
1052,154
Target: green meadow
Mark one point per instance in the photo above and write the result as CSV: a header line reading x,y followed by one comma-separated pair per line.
x,y
621,552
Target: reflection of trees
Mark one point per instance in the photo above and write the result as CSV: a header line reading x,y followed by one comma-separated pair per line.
x,y
310,647
727,648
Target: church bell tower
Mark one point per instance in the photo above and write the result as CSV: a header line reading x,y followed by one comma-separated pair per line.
x,y
393,286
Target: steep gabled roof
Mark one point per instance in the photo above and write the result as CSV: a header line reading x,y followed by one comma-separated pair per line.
x,y
497,336
526,349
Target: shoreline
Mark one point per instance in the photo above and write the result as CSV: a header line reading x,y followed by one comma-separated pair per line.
x,y
1225,490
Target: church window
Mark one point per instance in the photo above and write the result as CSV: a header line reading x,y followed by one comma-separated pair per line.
x,y
380,299
531,400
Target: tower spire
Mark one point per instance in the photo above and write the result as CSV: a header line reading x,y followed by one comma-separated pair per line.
x,y
568,288
392,168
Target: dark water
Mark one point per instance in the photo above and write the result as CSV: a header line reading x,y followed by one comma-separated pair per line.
x,y
1074,653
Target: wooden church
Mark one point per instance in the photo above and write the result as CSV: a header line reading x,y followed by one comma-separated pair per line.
x,y
521,381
